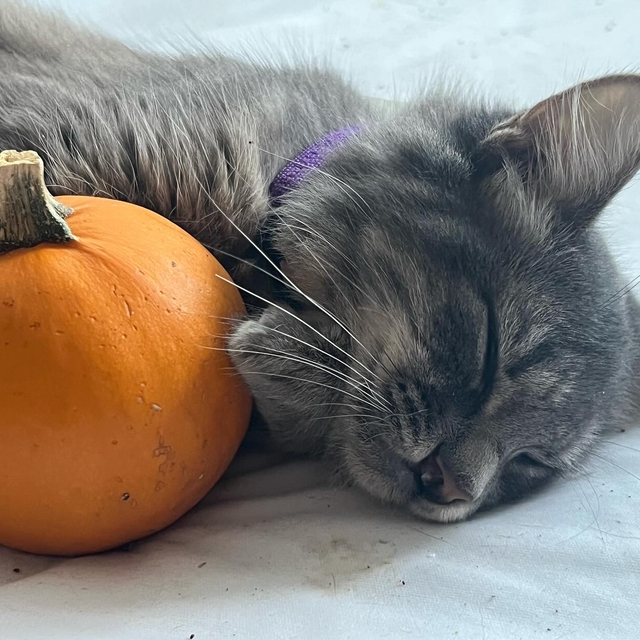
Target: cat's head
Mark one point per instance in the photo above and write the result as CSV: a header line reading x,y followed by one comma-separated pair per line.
x,y
452,338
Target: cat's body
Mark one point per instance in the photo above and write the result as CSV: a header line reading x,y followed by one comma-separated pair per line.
x,y
164,133
446,331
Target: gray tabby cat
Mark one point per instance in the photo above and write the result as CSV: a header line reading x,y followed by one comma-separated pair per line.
x,y
435,314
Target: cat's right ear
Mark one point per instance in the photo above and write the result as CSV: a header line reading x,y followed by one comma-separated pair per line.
x,y
575,150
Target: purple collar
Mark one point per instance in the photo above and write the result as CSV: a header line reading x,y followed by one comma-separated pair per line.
x,y
313,157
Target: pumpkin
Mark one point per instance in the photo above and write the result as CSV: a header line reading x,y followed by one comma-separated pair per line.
x,y
118,408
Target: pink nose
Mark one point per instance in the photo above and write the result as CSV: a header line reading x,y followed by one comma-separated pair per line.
x,y
439,482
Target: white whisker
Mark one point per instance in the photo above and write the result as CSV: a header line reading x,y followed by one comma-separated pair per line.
x,y
319,350
359,386
296,379
293,315
346,415
297,289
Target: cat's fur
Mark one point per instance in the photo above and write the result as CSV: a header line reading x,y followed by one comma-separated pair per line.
x,y
443,288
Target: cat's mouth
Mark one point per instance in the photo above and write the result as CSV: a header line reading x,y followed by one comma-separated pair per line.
x,y
453,512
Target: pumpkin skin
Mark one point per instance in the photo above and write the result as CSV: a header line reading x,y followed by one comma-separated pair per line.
x,y
115,417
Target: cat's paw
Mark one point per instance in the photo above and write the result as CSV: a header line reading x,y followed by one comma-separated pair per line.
x,y
291,376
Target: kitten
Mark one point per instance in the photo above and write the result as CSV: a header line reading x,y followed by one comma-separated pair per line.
x,y
433,312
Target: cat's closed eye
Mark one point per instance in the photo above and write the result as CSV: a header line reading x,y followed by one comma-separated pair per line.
x,y
529,460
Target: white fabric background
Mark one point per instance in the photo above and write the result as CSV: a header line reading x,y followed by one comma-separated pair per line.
x,y
272,552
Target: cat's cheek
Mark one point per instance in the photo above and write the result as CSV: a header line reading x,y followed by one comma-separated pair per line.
x,y
378,472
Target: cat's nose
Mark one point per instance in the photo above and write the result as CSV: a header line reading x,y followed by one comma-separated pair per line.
x,y
439,483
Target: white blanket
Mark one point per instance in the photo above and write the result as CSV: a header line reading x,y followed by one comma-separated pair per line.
x,y
274,553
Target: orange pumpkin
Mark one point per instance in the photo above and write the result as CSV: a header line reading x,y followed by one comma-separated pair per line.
x,y
116,415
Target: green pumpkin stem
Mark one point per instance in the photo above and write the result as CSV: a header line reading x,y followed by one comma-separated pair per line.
x,y
29,214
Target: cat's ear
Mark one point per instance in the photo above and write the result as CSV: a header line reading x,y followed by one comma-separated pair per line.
x,y
576,149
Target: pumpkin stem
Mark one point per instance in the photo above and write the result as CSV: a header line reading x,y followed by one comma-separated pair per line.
x,y
29,214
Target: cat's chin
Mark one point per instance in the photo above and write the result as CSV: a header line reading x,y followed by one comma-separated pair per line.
x,y
454,512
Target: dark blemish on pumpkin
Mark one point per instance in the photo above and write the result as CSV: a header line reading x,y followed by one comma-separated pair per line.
x,y
8,302
128,309
16,570
160,485
173,264
77,314
156,407
118,478
114,442
125,496
34,325
164,450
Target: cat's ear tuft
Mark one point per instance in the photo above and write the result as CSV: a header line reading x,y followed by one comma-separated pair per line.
x,y
576,149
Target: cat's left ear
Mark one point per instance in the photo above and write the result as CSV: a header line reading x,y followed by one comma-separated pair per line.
x,y
576,149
